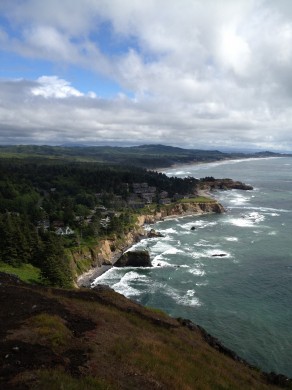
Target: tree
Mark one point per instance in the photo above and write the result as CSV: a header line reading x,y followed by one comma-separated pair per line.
x,y
55,267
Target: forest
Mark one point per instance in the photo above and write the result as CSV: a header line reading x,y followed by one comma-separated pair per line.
x,y
146,156
49,206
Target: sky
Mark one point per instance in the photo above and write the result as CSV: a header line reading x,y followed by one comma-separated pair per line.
x,y
191,73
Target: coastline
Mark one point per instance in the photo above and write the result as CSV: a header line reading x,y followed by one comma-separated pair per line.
x,y
220,162
87,278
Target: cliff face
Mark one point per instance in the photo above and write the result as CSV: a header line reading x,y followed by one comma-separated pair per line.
x,y
106,252
182,209
224,184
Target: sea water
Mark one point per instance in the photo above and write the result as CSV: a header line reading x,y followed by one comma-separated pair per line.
x,y
232,274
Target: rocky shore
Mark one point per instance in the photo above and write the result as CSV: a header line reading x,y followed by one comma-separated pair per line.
x,y
109,251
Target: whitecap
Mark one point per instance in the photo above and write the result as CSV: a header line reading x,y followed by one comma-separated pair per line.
x,y
239,200
159,262
273,233
111,274
267,209
231,239
241,222
172,251
123,286
204,243
202,284
197,271
161,247
169,230
187,300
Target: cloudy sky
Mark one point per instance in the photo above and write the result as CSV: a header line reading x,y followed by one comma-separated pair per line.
x,y
192,73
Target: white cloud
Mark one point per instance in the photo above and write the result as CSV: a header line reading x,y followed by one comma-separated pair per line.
x,y
201,72
51,86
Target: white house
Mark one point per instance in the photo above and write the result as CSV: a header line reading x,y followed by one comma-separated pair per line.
x,y
66,231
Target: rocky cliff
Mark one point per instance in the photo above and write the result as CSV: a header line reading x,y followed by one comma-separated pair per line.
x,y
88,261
182,209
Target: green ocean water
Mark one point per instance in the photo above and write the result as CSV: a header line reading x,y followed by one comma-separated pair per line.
x,y
244,297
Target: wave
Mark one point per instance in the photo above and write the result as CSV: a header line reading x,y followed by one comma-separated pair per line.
x,y
197,272
262,209
124,287
188,299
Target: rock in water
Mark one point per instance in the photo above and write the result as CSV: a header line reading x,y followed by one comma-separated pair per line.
x,y
134,259
153,233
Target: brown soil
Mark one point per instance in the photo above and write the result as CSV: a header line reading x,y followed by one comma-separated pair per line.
x,y
101,340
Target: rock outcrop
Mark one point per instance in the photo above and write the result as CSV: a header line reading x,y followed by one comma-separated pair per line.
x,y
108,251
134,259
211,184
153,234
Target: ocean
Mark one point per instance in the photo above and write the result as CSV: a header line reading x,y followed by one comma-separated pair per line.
x,y
232,274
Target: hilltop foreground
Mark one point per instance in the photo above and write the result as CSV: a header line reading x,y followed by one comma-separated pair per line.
x,y
97,339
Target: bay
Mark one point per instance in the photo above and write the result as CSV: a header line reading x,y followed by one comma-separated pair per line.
x,y
243,296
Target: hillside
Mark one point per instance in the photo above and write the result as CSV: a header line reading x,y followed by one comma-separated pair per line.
x,y
98,339
147,156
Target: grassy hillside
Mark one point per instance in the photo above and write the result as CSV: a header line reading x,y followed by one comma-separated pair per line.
x,y
97,339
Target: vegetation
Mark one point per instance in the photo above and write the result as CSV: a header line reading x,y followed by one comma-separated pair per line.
x,y
84,339
147,156
197,199
49,208
25,272
51,205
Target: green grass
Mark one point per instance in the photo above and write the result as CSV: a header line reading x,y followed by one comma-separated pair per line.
x,y
26,272
198,199
55,379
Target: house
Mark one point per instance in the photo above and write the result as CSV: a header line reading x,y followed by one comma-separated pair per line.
x,y
136,204
165,201
66,231
44,224
163,194
148,197
105,222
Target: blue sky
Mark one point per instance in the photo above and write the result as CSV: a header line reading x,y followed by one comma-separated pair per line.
x,y
196,74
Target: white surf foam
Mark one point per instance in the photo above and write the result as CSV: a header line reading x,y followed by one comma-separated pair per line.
x,y
109,275
172,251
239,199
158,261
202,284
197,272
168,231
273,233
204,243
124,287
161,247
247,220
187,299
231,239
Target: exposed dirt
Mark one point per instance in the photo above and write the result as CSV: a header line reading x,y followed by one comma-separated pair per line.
x,y
116,343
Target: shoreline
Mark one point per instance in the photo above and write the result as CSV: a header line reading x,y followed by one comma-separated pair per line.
x,y
86,279
221,162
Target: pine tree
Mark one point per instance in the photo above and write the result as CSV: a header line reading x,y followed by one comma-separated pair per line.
x,y
55,267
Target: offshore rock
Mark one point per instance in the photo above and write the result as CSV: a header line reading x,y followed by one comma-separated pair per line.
x,y
134,259
153,233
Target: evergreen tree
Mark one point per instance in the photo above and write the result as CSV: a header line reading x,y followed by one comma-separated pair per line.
x,y
55,267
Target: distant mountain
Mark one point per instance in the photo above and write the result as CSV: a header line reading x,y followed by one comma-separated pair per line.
x,y
147,156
